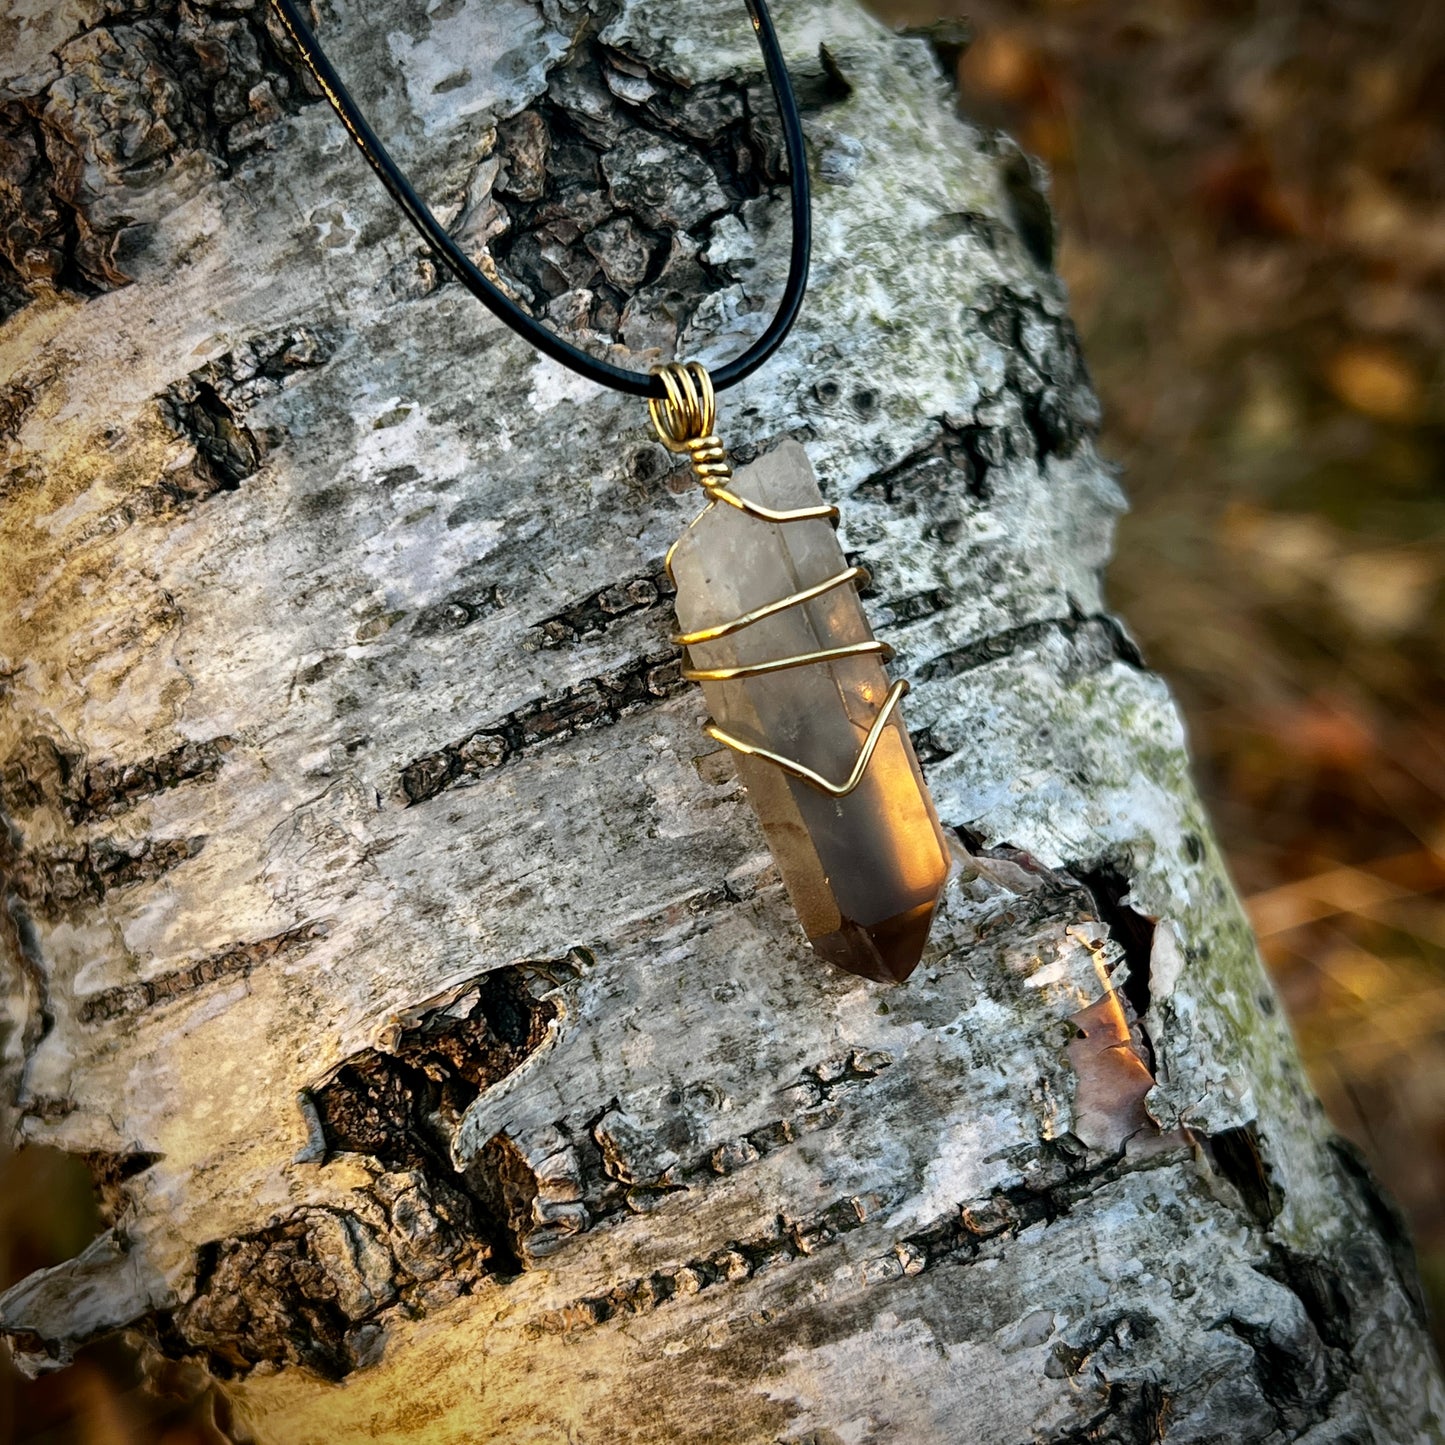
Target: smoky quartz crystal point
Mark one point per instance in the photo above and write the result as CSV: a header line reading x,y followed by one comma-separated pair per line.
x,y
864,870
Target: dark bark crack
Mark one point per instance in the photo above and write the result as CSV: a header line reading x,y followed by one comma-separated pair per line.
x,y
604,700
458,610
597,206
207,409
1094,643
49,884
596,703
937,479
1292,1369
106,788
1025,184
590,618
1047,407
953,1240
16,399
578,1179
1135,1413
1238,1155
136,93
379,1102
939,482
1133,931
237,961
313,1288
110,1172
309,1288
946,38
1386,1223
788,1239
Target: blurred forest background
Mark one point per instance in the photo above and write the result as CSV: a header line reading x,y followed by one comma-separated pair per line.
x,y
1251,221
1251,217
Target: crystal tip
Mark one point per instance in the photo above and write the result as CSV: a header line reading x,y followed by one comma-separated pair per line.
x,y
886,952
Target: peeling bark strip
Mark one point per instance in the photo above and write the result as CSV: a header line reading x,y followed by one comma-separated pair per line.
x,y
328,601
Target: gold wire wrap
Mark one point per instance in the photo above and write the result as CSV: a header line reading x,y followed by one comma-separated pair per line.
x,y
684,422
685,419
807,775
782,664
726,629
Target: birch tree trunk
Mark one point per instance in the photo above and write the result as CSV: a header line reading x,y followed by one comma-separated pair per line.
x,y
382,927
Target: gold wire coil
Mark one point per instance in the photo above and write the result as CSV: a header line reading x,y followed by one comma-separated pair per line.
x,y
685,418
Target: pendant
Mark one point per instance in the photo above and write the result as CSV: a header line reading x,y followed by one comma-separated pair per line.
x,y
768,611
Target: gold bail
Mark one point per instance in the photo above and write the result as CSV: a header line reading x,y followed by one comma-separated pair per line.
x,y
684,420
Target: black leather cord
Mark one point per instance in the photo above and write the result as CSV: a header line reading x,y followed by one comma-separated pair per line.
x,y
634,383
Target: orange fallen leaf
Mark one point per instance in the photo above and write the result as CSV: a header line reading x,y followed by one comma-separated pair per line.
x,y
1376,380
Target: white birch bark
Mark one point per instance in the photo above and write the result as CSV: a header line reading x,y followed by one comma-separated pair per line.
x,y
381,922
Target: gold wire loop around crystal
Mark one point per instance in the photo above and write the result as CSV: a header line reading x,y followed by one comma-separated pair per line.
x,y
685,418
807,775
871,648
736,624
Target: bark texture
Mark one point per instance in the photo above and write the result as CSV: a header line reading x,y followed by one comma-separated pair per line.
x,y
384,929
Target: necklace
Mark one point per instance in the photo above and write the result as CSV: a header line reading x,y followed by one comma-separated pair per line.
x,y
767,605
